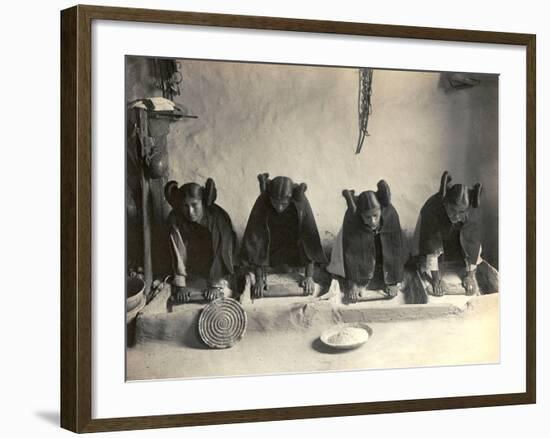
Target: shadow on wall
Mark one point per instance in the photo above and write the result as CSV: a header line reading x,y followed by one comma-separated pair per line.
x,y
480,118
302,122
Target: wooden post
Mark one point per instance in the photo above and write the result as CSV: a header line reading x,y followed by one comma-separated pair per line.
x,y
145,206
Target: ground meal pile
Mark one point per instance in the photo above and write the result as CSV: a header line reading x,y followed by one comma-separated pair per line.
x,y
349,336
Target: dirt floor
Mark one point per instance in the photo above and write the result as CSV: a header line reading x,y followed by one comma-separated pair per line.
x,y
471,337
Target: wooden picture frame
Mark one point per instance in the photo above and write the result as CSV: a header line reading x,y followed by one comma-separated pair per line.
x,y
76,217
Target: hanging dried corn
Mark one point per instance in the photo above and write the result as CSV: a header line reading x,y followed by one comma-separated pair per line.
x,y
365,107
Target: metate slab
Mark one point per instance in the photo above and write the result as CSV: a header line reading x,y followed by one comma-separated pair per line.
x,y
162,321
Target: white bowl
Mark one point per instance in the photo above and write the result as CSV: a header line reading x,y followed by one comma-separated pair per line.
x,y
329,333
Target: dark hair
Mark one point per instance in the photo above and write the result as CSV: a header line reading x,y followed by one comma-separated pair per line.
x,y
458,195
190,190
280,187
368,201
175,195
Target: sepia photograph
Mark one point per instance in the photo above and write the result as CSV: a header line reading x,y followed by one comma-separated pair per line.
x,y
289,218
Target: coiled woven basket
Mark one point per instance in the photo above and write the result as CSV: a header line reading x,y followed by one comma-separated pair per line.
x,y
222,323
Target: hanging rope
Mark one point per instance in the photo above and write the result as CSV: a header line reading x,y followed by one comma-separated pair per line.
x,y
364,103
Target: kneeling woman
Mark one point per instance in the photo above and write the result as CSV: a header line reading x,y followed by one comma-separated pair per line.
x,y
202,241
368,249
450,241
281,233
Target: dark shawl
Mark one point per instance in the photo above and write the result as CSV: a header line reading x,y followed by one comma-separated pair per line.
x,y
255,245
358,242
435,226
224,239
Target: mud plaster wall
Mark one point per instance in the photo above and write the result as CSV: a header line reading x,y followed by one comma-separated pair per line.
x,y
302,122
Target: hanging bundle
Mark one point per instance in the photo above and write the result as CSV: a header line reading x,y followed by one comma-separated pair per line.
x,y
167,76
365,107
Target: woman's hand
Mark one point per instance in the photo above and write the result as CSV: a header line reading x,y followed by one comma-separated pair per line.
x,y
352,292
392,290
309,286
438,286
213,293
470,283
260,284
181,294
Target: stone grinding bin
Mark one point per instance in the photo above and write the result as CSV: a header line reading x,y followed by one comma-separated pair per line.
x,y
135,301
